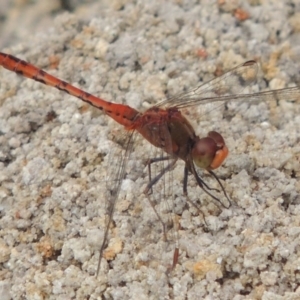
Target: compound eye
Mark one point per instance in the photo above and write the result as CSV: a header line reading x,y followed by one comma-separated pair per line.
x,y
210,152
217,138
204,152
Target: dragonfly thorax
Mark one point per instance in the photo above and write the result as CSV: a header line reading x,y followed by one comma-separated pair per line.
x,y
169,130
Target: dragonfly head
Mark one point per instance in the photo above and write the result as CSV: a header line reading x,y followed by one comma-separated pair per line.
x,y
210,152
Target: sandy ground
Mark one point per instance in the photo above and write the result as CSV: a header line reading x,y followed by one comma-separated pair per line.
x,y
56,153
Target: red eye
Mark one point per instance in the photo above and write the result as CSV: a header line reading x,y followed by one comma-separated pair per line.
x,y
210,152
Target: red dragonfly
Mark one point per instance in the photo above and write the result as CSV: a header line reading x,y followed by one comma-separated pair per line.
x,y
165,127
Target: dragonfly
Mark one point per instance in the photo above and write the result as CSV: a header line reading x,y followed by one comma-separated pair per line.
x,y
165,127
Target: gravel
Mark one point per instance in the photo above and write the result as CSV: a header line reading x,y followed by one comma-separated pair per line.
x,y
56,153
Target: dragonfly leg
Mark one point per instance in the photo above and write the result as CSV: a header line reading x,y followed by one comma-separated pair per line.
x,y
222,187
149,163
175,257
206,188
200,182
153,181
159,218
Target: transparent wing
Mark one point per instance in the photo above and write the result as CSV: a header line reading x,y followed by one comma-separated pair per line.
x,y
115,176
230,83
230,86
